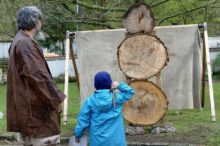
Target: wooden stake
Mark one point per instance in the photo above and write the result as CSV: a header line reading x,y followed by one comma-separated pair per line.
x,y
211,95
74,65
203,73
159,84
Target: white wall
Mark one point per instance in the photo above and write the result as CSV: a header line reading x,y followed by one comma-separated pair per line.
x,y
4,46
57,67
214,42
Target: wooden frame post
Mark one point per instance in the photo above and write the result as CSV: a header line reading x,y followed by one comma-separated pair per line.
x,y
67,52
211,94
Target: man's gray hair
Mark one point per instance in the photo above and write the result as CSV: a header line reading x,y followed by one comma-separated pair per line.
x,y
28,17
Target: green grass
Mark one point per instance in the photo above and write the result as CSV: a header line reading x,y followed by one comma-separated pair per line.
x,y
73,108
3,108
191,122
186,120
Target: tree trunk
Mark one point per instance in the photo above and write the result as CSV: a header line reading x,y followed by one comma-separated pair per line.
x,y
148,105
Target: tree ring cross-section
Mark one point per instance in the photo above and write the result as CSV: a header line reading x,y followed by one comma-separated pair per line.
x,y
139,18
142,56
148,105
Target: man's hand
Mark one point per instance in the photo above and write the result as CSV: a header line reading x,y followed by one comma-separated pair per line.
x,y
58,109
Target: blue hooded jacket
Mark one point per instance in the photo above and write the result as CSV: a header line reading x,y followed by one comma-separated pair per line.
x,y
104,120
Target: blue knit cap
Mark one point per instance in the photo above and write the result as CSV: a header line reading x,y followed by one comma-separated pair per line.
x,y
102,80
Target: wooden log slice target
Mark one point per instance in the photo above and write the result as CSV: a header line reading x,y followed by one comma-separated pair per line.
x,y
148,105
139,18
141,56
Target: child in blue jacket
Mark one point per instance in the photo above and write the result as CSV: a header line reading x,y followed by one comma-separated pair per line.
x,y
101,113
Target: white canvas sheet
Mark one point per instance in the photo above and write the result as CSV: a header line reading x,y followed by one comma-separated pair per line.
x,y
97,51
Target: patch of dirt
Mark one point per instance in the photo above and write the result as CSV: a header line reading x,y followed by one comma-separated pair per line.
x,y
196,137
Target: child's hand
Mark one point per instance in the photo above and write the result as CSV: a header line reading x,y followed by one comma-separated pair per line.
x,y
115,84
77,140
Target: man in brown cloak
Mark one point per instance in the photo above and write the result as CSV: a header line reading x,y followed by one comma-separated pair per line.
x,y
33,98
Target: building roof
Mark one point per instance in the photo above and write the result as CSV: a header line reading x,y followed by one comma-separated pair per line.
x,y
50,55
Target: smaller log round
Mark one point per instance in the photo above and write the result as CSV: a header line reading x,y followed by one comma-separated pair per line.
x,y
139,18
148,105
142,56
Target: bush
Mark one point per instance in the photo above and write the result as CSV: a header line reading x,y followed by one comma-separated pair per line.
x,y
61,79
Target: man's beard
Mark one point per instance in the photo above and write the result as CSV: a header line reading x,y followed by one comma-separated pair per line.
x,y
39,36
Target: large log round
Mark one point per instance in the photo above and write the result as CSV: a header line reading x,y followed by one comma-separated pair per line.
x,y
148,105
142,56
139,18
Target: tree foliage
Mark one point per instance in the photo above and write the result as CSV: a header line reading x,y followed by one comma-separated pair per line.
x,y
8,12
76,15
